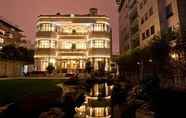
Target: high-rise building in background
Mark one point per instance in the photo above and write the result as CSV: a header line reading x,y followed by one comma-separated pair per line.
x,y
140,20
134,22
156,16
9,34
118,3
124,28
14,53
182,17
128,25
69,41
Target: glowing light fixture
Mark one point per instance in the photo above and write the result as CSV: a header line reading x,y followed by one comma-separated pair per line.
x,y
174,56
72,15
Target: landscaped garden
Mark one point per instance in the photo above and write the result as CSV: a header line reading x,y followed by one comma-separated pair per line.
x,y
29,96
12,90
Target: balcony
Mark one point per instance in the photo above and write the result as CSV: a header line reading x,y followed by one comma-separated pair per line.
x,y
72,37
72,33
134,28
99,103
42,34
72,54
135,22
72,50
100,51
135,41
100,34
3,36
45,51
133,13
132,3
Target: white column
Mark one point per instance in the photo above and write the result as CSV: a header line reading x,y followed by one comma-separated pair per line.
x,y
106,89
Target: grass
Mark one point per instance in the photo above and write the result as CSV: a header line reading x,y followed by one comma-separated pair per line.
x,y
14,90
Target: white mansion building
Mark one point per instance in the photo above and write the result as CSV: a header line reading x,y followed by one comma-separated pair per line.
x,y
69,41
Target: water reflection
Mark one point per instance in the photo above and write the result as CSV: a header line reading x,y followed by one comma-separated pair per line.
x,y
97,100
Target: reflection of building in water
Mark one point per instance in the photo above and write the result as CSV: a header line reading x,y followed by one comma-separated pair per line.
x,y
98,102
68,41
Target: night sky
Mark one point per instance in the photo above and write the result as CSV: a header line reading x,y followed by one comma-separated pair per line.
x,y
24,13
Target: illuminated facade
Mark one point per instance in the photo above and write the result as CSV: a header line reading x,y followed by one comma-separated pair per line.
x,y
69,41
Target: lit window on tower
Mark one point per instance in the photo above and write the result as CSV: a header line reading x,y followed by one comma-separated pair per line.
x,y
53,44
47,27
81,45
44,44
98,43
67,45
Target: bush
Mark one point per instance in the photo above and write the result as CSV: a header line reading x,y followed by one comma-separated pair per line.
x,y
50,68
12,52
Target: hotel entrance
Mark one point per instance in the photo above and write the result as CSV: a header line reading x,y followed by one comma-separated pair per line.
x,y
71,65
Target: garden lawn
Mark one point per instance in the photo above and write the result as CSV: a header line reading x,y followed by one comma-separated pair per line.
x,y
14,90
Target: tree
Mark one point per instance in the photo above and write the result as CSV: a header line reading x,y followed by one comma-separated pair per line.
x,y
101,68
50,68
101,65
11,52
129,62
88,66
149,86
155,56
160,51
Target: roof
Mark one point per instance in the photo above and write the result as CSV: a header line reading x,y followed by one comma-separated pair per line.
x,y
75,15
9,25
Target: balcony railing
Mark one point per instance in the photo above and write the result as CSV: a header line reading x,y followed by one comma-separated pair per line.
x,y
100,34
46,34
132,3
71,33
